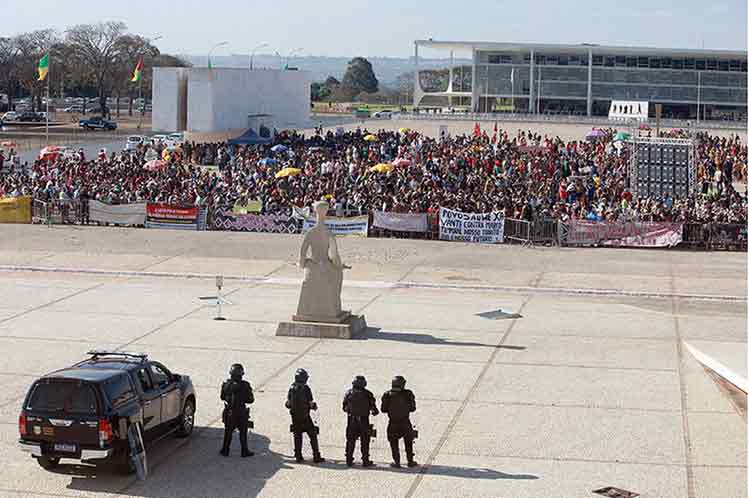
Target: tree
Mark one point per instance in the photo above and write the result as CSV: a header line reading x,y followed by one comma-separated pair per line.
x,y
98,46
323,91
359,77
30,48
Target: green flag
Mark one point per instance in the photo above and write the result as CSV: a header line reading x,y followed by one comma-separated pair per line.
x,y
43,67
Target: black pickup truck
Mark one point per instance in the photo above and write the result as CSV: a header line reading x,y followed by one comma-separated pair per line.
x,y
84,412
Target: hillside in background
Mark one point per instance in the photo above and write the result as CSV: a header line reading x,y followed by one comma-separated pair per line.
x,y
387,69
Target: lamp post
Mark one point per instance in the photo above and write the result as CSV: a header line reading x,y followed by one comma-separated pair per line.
x,y
210,53
140,89
292,53
252,55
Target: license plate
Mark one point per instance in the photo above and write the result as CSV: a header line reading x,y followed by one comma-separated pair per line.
x,y
65,448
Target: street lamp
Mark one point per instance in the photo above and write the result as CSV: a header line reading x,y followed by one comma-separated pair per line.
x,y
252,55
140,89
210,53
292,53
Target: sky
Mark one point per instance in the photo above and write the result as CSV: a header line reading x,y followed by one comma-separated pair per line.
x,y
388,27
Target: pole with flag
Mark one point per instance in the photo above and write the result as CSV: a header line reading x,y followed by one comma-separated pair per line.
x,y
137,77
43,73
512,79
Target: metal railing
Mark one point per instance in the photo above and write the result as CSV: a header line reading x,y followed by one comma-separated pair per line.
x,y
564,119
544,231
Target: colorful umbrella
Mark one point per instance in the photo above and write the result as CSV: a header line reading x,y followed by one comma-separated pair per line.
x,y
381,168
371,138
621,136
401,161
268,161
49,153
644,126
285,172
155,165
595,133
404,130
279,148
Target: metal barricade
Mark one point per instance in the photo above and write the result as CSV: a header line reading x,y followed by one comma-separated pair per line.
x,y
517,231
39,212
544,231
695,235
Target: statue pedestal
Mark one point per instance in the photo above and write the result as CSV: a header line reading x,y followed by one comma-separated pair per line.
x,y
349,327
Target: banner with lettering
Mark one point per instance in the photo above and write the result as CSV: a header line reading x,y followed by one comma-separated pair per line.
x,y
356,225
619,234
487,228
169,216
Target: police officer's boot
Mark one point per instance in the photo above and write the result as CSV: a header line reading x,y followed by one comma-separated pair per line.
x,y
395,447
315,448
350,445
365,452
409,453
227,435
297,447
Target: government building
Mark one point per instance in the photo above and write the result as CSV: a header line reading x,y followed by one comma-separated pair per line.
x,y
584,79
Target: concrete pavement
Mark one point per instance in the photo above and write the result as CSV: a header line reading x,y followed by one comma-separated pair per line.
x,y
585,390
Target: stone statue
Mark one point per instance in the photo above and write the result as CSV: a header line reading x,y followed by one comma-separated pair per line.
x,y
323,274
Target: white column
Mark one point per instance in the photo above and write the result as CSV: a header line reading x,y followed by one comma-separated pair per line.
x,y
531,103
475,100
589,82
451,75
416,80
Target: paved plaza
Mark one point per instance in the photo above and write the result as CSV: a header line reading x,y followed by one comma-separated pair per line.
x,y
590,387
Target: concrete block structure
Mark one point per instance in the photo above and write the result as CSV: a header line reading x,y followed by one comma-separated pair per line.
x,y
219,102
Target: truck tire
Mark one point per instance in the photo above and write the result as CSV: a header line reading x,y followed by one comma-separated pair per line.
x,y
187,419
48,463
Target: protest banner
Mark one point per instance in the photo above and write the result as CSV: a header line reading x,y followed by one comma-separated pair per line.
x,y
620,234
401,222
168,216
271,223
118,214
471,227
357,225
15,210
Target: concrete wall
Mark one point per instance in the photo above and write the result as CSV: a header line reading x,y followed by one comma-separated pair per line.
x,y
169,99
221,99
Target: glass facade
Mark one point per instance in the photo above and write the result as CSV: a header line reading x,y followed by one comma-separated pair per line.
x,y
589,78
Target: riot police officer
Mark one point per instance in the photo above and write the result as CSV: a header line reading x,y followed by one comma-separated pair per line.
x,y
358,403
398,403
299,402
236,393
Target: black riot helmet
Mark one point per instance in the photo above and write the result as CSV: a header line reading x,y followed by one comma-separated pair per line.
x,y
301,376
236,371
398,382
359,381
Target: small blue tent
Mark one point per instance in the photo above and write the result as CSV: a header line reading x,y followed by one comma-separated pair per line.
x,y
250,137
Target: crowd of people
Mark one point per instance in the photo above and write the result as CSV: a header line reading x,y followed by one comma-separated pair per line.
x,y
525,175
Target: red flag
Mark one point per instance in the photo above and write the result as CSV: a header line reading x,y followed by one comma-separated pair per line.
x,y
477,131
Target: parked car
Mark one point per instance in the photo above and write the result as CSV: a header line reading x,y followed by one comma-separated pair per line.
x,y
133,142
382,114
9,116
97,123
176,138
74,108
30,117
84,412
156,139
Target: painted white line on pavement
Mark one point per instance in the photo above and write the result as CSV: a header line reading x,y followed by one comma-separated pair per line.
x,y
378,284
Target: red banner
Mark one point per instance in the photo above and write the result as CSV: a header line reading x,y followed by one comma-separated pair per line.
x,y
650,234
168,216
